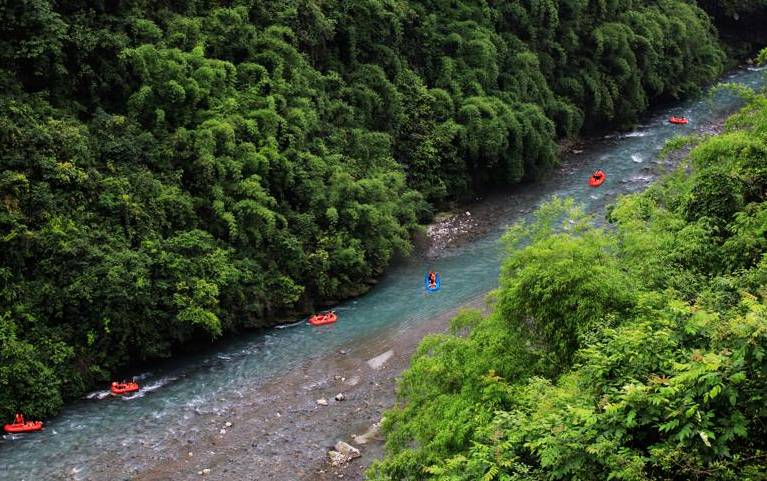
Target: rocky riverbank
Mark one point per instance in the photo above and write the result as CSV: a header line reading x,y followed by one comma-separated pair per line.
x,y
286,431
474,220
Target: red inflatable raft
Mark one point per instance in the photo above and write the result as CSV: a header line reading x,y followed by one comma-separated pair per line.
x,y
26,427
323,318
597,178
124,388
678,120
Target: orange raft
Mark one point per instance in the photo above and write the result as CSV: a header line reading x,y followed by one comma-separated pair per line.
x,y
124,388
678,120
597,178
26,427
323,318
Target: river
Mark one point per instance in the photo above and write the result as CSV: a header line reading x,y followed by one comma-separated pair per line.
x,y
98,437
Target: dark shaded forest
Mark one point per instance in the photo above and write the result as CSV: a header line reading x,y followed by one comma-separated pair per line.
x,y
172,171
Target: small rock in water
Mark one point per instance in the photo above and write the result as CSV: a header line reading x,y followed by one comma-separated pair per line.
x,y
468,213
340,396
203,472
223,431
370,433
343,453
336,458
190,454
378,361
228,424
322,402
347,449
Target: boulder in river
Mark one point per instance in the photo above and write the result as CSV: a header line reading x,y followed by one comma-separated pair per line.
x,y
378,361
369,434
343,453
340,396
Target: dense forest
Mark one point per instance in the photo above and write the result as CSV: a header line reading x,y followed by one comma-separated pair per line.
x,y
634,351
174,170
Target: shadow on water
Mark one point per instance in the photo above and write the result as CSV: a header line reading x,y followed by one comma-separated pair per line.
x,y
103,431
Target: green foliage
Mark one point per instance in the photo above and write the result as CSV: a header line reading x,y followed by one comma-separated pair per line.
x,y
28,372
563,285
173,171
635,352
679,143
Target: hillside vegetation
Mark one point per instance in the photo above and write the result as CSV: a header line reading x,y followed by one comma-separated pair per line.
x,y
174,170
635,352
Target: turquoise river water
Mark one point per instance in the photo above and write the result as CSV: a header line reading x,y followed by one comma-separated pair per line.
x,y
100,428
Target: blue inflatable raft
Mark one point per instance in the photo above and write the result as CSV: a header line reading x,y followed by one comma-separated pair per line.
x,y
426,283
